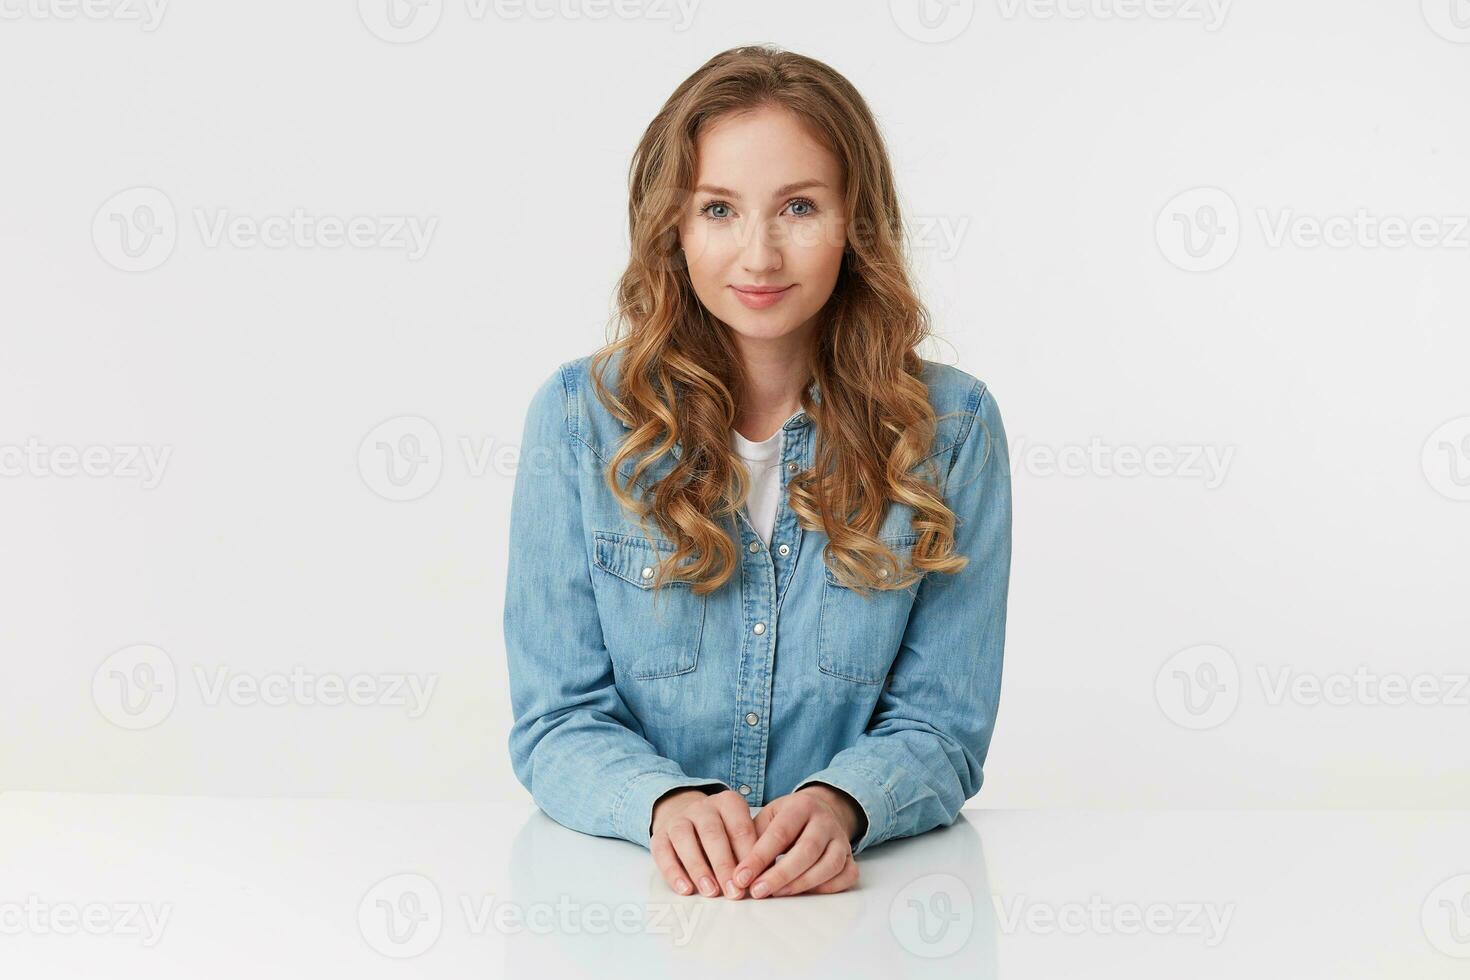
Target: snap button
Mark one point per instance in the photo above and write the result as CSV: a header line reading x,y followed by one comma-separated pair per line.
x,y
647,572
754,547
882,573
752,718
758,628
791,466
744,790
784,549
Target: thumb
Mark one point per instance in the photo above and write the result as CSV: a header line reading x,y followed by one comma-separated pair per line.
x,y
743,844
764,817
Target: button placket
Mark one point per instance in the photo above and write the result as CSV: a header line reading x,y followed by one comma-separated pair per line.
x,y
787,531
756,601
762,585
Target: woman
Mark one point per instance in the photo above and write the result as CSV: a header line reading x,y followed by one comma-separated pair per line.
x,y
818,635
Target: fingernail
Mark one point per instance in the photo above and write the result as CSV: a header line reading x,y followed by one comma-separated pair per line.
x,y
760,889
731,890
682,886
707,886
743,877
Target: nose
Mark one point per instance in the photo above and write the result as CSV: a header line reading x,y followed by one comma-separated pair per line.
x,y
761,253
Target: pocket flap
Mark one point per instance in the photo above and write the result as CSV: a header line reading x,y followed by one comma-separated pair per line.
x,y
631,559
902,546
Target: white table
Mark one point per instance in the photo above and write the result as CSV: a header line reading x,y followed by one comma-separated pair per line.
x,y
135,886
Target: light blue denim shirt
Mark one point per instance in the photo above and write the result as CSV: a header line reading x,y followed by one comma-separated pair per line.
x,y
782,677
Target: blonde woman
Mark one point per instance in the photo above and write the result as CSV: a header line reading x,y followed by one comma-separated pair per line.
x,y
759,548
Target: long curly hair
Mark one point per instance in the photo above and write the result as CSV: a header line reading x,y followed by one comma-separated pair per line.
x,y
873,420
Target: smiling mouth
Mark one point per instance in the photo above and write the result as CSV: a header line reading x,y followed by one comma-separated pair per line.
x,y
761,297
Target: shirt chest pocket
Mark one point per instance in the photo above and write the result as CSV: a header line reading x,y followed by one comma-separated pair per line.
x,y
857,636
648,632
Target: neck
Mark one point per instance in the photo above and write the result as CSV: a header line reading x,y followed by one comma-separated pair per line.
x,y
776,374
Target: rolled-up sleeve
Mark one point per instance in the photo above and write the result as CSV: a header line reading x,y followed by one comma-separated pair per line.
x,y
923,752
573,742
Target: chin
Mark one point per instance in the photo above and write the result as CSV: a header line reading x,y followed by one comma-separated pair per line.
x,y
756,327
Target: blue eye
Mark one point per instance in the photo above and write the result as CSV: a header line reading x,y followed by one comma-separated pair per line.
x,y
709,210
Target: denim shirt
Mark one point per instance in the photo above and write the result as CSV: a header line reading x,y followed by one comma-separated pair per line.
x,y
781,678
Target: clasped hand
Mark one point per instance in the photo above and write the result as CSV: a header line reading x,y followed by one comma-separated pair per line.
x,y
711,840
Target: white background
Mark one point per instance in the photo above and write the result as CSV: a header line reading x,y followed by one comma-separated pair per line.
x,y
1041,153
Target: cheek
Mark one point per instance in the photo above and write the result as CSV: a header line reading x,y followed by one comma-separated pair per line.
x,y
702,253
821,260
820,245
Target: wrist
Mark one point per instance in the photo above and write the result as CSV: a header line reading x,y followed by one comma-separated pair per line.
x,y
672,801
849,813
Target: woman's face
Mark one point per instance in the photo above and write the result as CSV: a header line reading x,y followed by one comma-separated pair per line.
x,y
767,211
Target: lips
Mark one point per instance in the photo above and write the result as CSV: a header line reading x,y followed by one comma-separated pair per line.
x,y
760,297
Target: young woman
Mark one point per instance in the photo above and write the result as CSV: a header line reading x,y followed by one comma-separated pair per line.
x,y
759,548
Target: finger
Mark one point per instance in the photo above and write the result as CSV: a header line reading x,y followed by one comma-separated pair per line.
x,y
691,853
764,817
669,865
798,858
841,882
740,832
781,829
748,867
710,824
751,863
739,826
833,860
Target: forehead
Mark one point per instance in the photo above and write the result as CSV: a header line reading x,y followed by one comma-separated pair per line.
x,y
759,150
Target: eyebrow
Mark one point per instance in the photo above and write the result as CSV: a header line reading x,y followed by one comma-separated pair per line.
x,y
799,185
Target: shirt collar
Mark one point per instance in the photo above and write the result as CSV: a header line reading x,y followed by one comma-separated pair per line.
x,y
800,418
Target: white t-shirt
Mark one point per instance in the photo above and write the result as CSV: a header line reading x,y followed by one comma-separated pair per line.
x,y
763,463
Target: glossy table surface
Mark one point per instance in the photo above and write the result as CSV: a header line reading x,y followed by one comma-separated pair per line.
x,y
124,886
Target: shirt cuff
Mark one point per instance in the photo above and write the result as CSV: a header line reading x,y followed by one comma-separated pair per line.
x,y
871,796
633,817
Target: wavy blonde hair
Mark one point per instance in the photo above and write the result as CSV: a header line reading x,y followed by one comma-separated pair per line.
x,y
873,419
